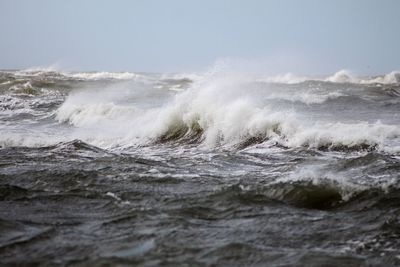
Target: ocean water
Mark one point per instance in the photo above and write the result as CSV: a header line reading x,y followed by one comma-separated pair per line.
x,y
199,169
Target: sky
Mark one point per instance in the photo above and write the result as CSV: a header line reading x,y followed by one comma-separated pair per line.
x,y
300,36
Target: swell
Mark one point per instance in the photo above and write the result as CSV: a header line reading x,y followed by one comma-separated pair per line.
x,y
325,194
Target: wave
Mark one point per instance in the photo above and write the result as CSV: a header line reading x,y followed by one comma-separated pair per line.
x,y
316,187
183,76
213,110
27,89
288,78
104,75
342,76
91,114
235,125
218,112
36,71
322,194
89,75
390,78
20,139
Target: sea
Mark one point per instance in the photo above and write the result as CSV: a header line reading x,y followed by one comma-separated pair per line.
x,y
213,168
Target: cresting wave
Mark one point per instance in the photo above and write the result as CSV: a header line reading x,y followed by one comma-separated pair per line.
x,y
236,125
214,112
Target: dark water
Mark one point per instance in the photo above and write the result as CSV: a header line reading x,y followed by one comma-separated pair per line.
x,y
103,169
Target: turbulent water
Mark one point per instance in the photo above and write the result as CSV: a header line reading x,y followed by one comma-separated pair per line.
x,y
206,169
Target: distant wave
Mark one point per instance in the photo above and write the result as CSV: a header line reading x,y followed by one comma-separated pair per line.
x,y
89,75
341,76
38,70
344,76
103,75
288,78
390,78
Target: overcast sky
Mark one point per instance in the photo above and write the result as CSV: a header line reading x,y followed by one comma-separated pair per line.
x,y
301,36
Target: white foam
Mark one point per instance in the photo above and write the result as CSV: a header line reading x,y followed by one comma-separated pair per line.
x,y
36,71
34,139
193,76
88,75
305,96
104,75
341,76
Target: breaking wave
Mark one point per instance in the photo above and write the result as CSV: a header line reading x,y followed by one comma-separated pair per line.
x,y
218,112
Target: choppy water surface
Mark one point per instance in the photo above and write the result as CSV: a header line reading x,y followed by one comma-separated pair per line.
x,y
199,170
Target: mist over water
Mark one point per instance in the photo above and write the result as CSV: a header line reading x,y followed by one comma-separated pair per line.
x,y
213,168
